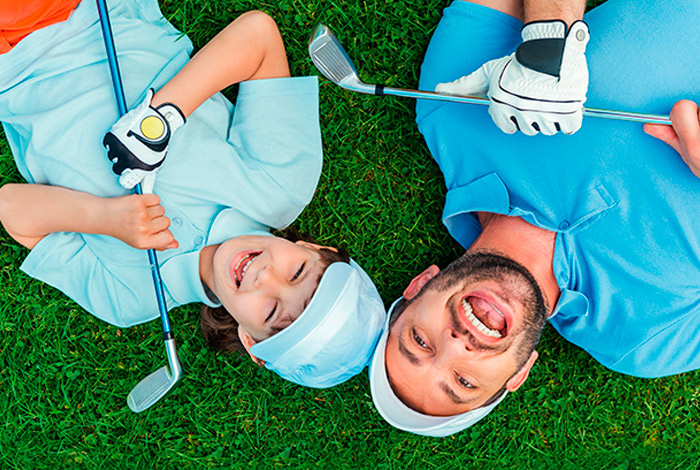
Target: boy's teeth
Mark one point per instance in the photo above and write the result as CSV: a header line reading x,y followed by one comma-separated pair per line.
x,y
477,323
245,261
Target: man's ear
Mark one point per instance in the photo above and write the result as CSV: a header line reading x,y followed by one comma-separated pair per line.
x,y
419,281
248,343
518,379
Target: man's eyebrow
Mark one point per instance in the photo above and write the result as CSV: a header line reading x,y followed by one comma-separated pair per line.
x,y
413,359
453,396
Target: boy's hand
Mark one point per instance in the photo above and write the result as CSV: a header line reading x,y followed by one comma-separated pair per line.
x,y
539,88
684,136
139,221
138,142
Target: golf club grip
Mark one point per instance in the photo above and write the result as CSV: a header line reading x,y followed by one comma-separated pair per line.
x,y
121,106
589,112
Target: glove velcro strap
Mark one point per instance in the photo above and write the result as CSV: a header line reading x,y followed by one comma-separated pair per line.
x,y
544,42
542,55
173,115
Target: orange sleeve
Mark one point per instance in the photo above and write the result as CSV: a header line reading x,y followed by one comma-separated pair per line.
x,y
19,18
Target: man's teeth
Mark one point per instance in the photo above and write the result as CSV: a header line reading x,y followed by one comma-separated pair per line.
x,y
477,323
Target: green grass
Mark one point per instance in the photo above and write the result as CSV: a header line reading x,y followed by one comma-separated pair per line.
x,y
64,376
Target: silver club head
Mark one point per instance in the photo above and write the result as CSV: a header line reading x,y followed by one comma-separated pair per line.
x,y
157,384
333,62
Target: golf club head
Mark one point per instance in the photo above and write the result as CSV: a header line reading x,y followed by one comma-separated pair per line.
x,y
157,384
333,62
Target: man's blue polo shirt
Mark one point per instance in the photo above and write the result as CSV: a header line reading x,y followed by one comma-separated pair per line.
x,y
625,207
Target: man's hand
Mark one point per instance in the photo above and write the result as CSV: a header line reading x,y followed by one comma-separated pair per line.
x,y
541,87
138,142
683,135
139,221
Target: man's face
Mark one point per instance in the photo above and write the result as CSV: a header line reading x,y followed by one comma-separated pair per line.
x,y
466,333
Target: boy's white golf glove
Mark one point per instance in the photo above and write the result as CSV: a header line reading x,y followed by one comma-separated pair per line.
x,y
138,142
541,87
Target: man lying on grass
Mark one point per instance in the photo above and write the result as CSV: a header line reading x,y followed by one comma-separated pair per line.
x,y
596,232
230,177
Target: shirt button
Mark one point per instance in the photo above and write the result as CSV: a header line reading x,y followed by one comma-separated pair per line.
x,y
564,225
177,221
198,240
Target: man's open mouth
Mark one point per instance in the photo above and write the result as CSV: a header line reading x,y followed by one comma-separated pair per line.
x,y
241,267
485,317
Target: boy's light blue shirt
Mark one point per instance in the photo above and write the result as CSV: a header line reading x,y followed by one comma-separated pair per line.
x,y
625,206
226,173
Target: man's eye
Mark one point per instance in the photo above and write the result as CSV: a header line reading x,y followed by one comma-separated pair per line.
x,y
298,273
419,341
464,382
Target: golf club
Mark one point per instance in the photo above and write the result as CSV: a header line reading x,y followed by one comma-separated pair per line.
x,y
157,384
333,62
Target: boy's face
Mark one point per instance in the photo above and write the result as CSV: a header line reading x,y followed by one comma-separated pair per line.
x,y
265,282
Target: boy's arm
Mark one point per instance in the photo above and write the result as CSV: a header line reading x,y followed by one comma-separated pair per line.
x,y
29,212
250,48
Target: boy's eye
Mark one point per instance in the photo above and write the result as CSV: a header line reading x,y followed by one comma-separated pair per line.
x,y
464,382
298,273
419,341
269,317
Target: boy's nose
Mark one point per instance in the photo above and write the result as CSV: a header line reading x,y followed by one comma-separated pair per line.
x,y
268,277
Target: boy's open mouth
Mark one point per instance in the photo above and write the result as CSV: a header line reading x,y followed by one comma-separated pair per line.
x,y
485,317
241,267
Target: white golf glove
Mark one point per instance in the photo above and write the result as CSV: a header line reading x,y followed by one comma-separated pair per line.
x,y
541,87
138,142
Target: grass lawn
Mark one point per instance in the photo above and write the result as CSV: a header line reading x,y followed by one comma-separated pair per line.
x,y
64,375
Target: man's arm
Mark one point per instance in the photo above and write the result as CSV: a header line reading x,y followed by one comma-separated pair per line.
x,y
538,10
542,86
29,212
684,135
546,10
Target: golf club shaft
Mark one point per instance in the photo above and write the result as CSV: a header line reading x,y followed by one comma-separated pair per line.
x,y
592,112
121,106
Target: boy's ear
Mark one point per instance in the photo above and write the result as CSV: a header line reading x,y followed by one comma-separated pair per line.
x,y
248,343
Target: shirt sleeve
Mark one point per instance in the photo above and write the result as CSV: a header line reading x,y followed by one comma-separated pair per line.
x,y
121,294
276,127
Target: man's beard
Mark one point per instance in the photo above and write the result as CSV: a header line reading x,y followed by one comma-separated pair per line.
x,y
517,283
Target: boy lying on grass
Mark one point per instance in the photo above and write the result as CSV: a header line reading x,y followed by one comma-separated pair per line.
x,y
307,311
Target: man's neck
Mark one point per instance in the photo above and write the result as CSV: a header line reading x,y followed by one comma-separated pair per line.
x,y
531,246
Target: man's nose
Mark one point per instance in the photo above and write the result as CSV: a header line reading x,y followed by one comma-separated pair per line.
x,y
458,341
